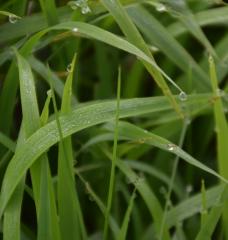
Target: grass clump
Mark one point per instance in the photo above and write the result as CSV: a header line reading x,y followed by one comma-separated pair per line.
x,y
82,157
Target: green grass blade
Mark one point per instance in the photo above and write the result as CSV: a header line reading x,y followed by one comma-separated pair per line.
x,y
86,117
114,159
146,192
39,176
134,37
12,214
7,142
71,221
123,231
157,34
222,133
50,11
137,134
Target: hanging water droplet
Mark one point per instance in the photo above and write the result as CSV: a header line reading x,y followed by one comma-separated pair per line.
x,y
211,60
189,188
220,92
85,9
73,5
13,18
81,3
161,7
183,96
49,92
75,30
171,147
69,68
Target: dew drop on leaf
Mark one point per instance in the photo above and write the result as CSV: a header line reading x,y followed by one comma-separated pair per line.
x,y
183,96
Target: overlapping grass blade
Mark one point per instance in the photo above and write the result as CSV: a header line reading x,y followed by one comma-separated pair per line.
x,y
114,159
134,37
40,174
71,221
222,134
123,231
157,34
12,214
137,134
87,115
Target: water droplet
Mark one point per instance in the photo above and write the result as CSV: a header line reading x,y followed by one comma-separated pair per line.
x,y
13,18
183,96
146,131
163,190
49,92
69,68
138,180
189,188
211,60
82,4
85,10
220,92
75,30
188,120
73,5
142,140
171,146
161,7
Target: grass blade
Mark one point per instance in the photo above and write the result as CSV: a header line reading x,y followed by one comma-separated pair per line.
x,y
222,134
114,159
134,37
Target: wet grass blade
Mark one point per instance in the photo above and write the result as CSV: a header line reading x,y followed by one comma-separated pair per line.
x,y
40,178
71,220
87,115
133,35
221,132
114,159
123,231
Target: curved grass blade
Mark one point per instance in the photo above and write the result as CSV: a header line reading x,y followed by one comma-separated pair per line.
x,y
132,34
137,134
87,115
114,159
146,192
222,134
71,220
47,225
7,142
123,230
157,34
12,214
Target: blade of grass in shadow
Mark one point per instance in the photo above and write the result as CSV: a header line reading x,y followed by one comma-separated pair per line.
x,y
71,220
188,19
113,224
135,38
123,230
137,134
49,228
222,135
114,158
49,9
145,191
173,175
157,34
87,115
7,142
12,214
